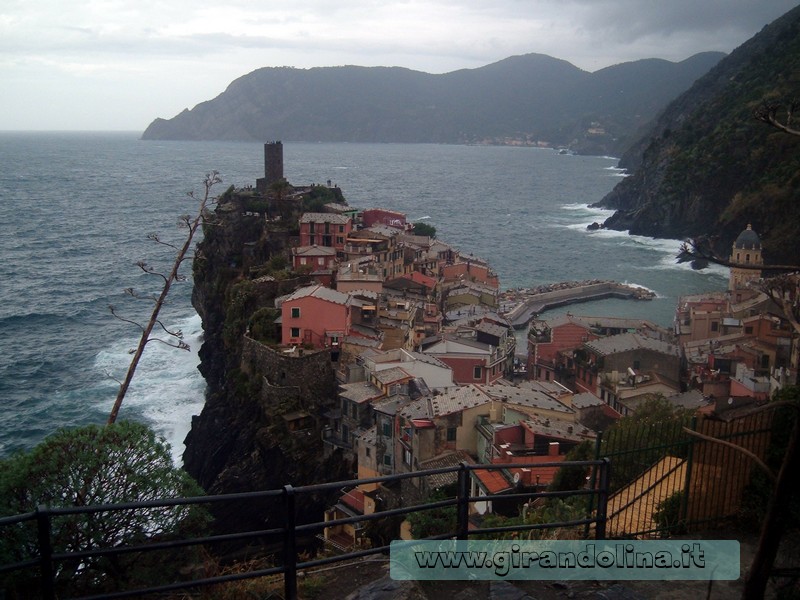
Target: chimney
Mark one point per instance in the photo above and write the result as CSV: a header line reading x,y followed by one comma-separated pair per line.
x,y
552,450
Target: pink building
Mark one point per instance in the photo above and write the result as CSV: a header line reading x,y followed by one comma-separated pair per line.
x,y
317,258
315,315
471,361
325,229
380,216
547,340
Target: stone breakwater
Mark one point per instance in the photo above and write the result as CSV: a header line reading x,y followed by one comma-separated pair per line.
x,y
520,305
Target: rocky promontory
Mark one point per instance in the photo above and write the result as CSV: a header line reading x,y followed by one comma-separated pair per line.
x,y
242,441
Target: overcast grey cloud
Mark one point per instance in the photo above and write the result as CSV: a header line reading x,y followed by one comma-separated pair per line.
x,y
118,64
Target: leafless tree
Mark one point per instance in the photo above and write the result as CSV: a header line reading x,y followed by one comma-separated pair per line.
x,y
779,115
175,337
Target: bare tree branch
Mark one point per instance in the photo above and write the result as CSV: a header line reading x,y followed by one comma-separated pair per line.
x,y
768,112
211,180
700,252
123,319
155,238
745,451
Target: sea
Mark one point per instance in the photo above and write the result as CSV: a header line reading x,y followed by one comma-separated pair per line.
x,y
76,209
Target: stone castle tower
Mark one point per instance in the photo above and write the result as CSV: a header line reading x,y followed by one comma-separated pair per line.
x,y
746,251
273,167
273,162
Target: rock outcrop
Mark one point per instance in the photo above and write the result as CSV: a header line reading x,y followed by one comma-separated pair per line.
x,y
708,167
241,441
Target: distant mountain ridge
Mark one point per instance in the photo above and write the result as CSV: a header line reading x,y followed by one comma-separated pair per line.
x,y
708,167
521,99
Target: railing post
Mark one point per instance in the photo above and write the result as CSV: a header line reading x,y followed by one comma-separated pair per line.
x,y
44,530
602,499
593,481
289,545
462,531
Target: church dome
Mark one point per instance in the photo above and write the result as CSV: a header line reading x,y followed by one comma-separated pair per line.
x,y
748,240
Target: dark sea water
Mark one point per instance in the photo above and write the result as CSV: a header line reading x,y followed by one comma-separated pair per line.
x,y
76,208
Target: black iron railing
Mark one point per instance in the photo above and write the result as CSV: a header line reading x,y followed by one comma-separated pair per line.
x,y
47,559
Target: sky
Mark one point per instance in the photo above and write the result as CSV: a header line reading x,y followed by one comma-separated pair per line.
x,y
115,65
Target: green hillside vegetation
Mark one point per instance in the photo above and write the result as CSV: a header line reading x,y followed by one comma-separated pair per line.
x,y
523,99
708,167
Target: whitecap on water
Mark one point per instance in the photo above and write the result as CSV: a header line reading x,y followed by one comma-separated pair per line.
x,y
167,389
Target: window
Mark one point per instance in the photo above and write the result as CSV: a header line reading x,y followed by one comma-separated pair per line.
x,y
407,457
368,452
296,311
476,373
295,333
749,329
387,460
451,434
387,430
302,260
714,325
321,260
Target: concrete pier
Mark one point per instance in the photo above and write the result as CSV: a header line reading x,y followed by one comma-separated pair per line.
x,y
529,303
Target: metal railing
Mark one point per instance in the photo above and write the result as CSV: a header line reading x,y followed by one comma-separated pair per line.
x,y
49,558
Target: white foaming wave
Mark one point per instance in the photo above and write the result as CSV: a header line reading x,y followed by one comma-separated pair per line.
x,y
642,287
669,249
167,389
421,218
587,215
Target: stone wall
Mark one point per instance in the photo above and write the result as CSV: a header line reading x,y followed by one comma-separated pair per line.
x,y
310,376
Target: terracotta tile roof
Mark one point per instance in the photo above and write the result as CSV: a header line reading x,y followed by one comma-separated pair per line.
x,y
355,500
417,277
492,481
536,475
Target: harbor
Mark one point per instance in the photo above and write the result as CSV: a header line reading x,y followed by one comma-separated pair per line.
x,y
521,305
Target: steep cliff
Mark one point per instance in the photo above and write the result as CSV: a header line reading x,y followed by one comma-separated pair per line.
x,y
707,167
242,440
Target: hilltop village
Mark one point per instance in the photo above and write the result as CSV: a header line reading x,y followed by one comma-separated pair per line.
x,y
351,343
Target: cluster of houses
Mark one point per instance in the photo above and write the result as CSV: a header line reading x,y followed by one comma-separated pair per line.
x,y
426,364
726,350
